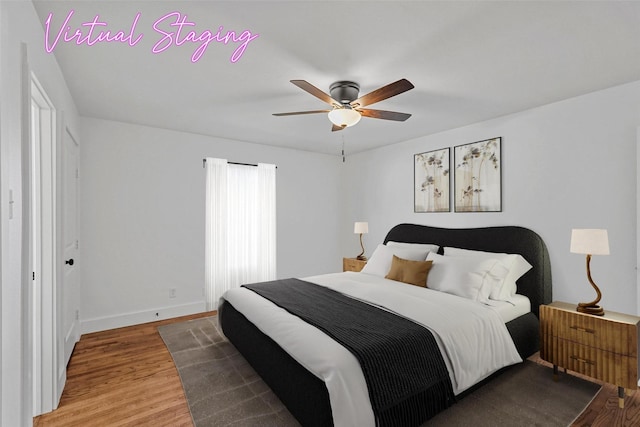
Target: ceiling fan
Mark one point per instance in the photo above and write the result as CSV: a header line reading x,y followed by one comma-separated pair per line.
x,y
347,108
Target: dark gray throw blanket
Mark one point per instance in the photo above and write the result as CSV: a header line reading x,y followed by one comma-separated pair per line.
x,y
406,376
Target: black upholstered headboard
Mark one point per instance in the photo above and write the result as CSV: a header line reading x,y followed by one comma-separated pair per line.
x,y
535,284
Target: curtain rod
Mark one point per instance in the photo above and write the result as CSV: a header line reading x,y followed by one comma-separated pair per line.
x,y
204,161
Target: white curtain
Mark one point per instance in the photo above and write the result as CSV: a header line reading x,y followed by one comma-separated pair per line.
x,y
267,221
240,227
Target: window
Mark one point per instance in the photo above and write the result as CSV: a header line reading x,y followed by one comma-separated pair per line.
x,y
240,226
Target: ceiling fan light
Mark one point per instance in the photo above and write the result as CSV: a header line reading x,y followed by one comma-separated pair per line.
x,y
344,117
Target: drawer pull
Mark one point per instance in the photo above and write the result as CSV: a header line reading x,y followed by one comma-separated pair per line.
x,y
578,328
578,359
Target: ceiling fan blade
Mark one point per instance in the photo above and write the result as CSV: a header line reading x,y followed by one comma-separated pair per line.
x,y
382,114
295,113
335,128
392,89
308,87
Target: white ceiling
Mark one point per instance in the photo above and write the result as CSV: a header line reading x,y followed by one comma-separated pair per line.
x,y
469,62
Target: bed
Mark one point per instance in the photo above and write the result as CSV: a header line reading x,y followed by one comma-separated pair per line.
x,y
307,396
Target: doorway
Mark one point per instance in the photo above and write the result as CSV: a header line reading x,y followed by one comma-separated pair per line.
x,y
42,252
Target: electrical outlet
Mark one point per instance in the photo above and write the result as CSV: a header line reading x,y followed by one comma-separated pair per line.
x,y
172,293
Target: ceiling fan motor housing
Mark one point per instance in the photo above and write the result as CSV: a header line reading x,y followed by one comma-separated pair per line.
x,y
344,91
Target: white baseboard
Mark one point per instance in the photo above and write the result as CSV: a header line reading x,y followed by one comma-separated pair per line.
x,y
128,319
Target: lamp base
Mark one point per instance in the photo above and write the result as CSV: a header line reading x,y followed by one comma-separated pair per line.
x,y
594,309
361,257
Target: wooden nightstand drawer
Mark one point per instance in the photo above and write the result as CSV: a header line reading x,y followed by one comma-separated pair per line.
x,y
599,332
352,264
594,362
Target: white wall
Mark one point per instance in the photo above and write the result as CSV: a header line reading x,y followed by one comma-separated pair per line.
x,y
142,224
19,26
570,164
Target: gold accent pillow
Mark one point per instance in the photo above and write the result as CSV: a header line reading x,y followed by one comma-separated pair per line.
x,y
408,271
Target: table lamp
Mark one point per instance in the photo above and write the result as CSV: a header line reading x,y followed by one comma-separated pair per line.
x,y
590,242
361,228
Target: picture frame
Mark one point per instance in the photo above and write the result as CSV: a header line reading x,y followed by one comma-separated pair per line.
x,y
431,181
478,176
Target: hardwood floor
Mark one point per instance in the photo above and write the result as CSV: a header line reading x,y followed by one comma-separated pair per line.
x,y
126,377
604,412
122,377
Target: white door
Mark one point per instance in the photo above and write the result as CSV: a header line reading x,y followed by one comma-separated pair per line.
x,y
54,250
70,286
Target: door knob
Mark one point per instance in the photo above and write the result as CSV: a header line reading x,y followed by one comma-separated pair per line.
x,y
69,261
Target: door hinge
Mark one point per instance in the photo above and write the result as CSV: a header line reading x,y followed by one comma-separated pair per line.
x,y
33,275
77,244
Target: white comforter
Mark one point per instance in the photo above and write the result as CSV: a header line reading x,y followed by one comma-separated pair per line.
x,y
472,337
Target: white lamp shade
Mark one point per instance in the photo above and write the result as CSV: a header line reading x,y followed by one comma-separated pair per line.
x,y
361,228
344,117
590,241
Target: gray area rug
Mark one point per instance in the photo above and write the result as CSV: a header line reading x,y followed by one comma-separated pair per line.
x,y
223,390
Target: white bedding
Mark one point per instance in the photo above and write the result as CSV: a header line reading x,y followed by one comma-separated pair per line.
x,y
515,307
472,337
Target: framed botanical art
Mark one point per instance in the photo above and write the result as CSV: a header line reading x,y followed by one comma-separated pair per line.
x,y
478,176
431,181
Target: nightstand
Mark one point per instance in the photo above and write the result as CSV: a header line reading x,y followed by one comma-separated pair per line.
x,y
352,264
601,347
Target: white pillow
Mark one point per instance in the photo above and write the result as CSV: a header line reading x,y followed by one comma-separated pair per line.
x,y
516,264
467,277
424,246
380,262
